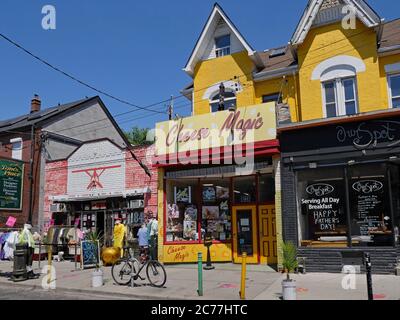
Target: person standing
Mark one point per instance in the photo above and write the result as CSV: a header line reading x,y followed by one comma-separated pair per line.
x,y
119,234
143,241
152,232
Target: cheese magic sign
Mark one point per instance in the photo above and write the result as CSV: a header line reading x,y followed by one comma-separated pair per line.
x,y
247,125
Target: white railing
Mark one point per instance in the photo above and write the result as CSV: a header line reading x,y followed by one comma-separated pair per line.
x,y
225,51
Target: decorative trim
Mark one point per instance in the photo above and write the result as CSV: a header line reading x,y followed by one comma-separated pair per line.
x,y
214,89
277,73
328,69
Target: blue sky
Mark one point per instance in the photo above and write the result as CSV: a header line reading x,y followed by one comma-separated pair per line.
x,y
132,49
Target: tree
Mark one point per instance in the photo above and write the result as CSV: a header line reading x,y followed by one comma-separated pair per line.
x,y
138,136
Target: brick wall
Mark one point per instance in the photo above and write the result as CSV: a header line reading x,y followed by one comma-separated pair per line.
x,y
56,181
289,207
136,177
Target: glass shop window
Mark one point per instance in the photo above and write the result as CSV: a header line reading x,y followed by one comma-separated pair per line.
x,y
371,219
322,218
182,211
244,190
216,214
395,175
266,188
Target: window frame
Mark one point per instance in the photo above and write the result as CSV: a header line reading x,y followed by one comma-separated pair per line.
x,y
340,96
389,83
19,151
213,100
223,51
279,96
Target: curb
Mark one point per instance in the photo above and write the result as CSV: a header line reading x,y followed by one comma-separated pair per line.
x,y
96,293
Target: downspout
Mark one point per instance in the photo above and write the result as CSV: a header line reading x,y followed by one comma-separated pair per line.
x,y
31,182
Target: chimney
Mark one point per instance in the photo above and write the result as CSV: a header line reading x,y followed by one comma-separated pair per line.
x,y
35,104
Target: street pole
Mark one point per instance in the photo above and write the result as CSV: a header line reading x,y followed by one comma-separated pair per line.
x,y
369,276
200,274
33,142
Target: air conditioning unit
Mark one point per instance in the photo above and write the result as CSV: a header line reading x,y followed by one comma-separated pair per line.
x,y
58,207
136,204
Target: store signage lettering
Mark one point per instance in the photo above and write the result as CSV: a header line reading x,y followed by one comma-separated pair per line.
x,y
364,136
180,253
367,186
320,189
11,185
233,122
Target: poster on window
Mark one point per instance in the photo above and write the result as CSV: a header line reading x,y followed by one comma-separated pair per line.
x,y
182,194
173,211
367,202
323,203
190,230
210,212
209,194
191,213
222,193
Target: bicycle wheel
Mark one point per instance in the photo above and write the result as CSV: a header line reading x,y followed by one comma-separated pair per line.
x,y
156,274
121,271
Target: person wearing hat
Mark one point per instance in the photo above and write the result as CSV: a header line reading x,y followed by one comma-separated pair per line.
x,y
119,234
26,238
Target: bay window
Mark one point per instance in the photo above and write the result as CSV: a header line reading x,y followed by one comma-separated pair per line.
x,y
340,97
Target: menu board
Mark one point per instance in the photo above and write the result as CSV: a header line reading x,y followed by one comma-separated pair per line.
x,y
367,198
90,254
323,203
11,184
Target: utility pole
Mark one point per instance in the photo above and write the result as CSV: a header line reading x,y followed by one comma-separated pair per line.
x,y
221,106
171,108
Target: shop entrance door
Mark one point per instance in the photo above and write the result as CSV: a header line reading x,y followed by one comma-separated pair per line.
x,y
267,229
245,234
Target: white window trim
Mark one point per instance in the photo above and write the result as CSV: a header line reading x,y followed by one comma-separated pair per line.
x,y
343,62
339,96
13,141
389,84
225,100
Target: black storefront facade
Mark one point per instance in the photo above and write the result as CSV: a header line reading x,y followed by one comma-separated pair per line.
x,y
341,190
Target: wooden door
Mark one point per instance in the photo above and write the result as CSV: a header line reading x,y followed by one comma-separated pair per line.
x,y
267,234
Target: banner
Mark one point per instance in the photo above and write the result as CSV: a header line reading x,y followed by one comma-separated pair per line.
x,y
11,185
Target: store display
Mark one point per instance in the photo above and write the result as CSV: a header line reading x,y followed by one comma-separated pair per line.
x,y
210,212
173,211
222,193
190,230
191,213
182,194
209,194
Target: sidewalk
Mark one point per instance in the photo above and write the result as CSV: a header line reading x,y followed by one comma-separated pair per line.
x,y
223,283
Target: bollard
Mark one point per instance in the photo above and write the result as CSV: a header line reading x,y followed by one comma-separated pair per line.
x,y
49,262
200,274
369,276
243,280
40,253
76,256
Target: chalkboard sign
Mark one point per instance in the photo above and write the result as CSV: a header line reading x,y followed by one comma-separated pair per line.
x,y
323,202
11,184
90,253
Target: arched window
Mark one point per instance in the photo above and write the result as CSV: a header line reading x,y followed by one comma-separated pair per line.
x,y
229,101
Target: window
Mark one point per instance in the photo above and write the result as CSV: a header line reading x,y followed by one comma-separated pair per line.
x,y
229,101
16,148
216,214
266,188
275,97
244,190
223,46
340,97
182,209
394,90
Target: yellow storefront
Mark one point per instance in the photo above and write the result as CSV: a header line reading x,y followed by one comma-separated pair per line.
x,y
217,178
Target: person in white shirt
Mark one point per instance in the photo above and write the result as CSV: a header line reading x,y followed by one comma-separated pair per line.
x,y
152,230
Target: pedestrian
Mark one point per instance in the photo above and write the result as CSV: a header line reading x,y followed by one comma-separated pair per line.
x,y
119,234
152,232
143,241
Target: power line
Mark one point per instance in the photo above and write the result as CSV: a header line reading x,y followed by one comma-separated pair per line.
x,y
76,79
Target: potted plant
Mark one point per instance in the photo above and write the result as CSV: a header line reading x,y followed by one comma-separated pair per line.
x,y
97,274
289,264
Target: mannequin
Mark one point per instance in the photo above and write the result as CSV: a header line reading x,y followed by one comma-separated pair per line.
x,y
26,238
119,233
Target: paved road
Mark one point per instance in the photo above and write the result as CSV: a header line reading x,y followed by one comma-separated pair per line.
x,y
18,293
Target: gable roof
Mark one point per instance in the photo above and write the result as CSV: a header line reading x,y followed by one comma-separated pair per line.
x,y
363,11
30,119
216,15
391,34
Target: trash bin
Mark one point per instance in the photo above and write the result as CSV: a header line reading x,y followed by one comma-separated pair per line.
x,y
20,259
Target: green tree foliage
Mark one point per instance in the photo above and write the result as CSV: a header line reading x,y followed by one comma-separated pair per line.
x,y
137,136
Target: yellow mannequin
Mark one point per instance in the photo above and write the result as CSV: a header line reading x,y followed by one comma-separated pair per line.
x,y
119,233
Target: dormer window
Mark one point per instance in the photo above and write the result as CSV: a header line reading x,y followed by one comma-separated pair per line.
x,y
223,46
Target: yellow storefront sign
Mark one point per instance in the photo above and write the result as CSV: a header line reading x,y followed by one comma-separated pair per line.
x,y
221,252
226,128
